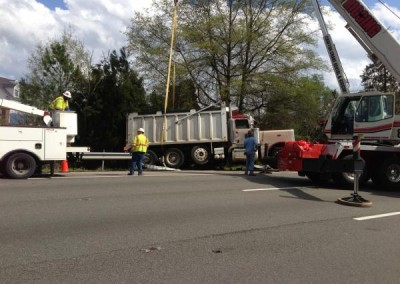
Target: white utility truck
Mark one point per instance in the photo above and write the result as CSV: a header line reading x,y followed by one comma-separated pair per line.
x,y
24,148
202,136
373,117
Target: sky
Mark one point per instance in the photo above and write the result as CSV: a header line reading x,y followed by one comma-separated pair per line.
x,y
100,25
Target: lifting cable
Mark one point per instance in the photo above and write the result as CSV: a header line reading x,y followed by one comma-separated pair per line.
x,y
171,52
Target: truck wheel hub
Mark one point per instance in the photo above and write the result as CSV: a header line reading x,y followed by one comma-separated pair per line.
x,y
200,154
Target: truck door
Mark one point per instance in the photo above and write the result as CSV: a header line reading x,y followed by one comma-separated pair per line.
x,y
340,124
374,116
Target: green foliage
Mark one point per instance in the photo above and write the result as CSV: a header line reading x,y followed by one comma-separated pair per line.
x,y
102,95
301,104
378,78
55,67
182,97
119,91
231,50
156,102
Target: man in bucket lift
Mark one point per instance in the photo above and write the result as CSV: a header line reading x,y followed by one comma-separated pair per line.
x,y
61,102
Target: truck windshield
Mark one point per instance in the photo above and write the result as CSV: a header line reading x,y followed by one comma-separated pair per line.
x,y
242,123
374,108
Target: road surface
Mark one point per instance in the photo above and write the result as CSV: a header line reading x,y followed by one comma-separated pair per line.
x,y
194,227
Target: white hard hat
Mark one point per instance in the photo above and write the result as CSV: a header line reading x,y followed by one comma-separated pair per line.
x,y
140,130
67,94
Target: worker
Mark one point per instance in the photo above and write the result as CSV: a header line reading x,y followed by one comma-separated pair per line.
x,y
250,149
61,102
138,149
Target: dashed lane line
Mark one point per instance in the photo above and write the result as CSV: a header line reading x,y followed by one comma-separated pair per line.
x,y
376,216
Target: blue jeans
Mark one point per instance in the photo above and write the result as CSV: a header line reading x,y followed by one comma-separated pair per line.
x,y
137,159
250,162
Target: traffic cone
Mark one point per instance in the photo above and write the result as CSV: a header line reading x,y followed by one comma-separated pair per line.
x,y
64,166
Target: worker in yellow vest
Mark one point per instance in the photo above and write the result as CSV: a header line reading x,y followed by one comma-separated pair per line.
x,y
61,102
138,149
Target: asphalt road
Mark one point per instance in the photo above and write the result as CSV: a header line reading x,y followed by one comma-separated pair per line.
x,y
194,227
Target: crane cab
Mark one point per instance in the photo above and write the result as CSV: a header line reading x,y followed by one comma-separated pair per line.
x,y
371,115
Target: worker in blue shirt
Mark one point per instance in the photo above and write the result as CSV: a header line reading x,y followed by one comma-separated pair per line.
x,y
250,149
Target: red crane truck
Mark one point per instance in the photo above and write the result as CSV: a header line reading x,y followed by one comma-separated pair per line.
x,y
373,117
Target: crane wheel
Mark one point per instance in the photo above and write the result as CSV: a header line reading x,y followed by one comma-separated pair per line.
x,y
387,176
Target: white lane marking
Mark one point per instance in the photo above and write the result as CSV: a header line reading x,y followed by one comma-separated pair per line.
x,y
274,188
376,216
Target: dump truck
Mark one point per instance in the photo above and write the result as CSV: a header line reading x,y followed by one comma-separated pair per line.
x,y
209,135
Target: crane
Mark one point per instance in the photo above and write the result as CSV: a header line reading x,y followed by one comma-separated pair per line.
x,y
332,52
363,124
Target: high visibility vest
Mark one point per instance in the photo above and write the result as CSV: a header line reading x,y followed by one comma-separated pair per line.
x,y
59,104
140,143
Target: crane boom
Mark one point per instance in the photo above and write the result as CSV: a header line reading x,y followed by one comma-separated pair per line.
x,y
332,52
381,46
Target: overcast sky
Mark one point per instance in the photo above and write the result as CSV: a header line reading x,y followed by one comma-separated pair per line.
x,y
100,24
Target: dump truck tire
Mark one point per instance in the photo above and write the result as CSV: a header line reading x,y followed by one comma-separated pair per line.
x,y
174,158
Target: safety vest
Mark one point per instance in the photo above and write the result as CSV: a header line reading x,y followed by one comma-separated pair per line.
x,y
59,104
140,143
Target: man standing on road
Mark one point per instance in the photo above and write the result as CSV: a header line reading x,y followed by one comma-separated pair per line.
x,y
250,148
138,149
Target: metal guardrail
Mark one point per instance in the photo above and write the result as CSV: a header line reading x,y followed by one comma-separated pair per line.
x,y
106,156
103,156
119,156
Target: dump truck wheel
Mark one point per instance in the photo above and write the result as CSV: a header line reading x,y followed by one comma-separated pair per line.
x,y
200,155
20,166
150,158
174,158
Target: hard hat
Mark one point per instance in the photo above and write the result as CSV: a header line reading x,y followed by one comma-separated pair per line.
x,y
67,94
140,130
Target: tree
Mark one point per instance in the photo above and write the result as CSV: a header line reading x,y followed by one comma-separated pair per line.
x,y
102,95
378,78
182,97
300,106
58,65
237,51
119,92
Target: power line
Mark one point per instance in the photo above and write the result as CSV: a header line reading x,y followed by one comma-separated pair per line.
x,y
389,9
